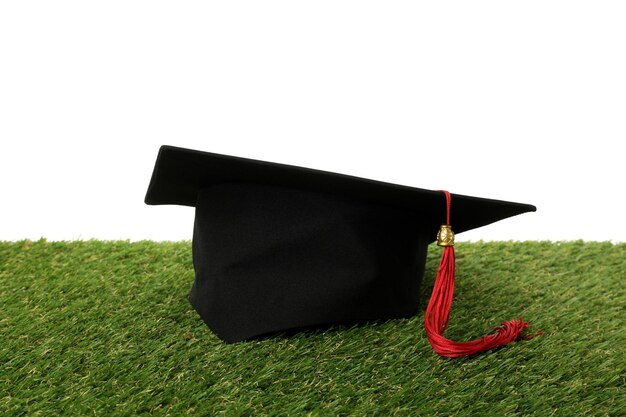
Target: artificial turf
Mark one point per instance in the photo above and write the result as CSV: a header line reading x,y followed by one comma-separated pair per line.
x,y
104,328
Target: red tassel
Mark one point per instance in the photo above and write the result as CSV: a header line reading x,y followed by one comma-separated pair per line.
x,y
438,310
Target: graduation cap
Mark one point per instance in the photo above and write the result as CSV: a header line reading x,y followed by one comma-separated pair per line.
x,y
281,248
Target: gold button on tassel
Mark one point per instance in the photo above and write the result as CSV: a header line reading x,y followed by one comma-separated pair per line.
x,y
445,237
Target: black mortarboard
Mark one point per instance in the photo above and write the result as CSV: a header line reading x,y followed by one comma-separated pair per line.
x,y
279,247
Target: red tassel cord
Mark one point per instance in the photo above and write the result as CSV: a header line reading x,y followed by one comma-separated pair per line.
x,y
438,310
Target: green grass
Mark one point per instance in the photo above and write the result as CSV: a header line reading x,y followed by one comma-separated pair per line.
x,y
104,328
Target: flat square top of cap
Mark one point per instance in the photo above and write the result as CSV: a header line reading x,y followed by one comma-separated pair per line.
x,y
180,173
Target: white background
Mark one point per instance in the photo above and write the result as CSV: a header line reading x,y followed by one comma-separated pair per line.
x,y
520,101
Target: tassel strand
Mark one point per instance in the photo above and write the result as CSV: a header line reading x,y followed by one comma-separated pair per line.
x,y
438,311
